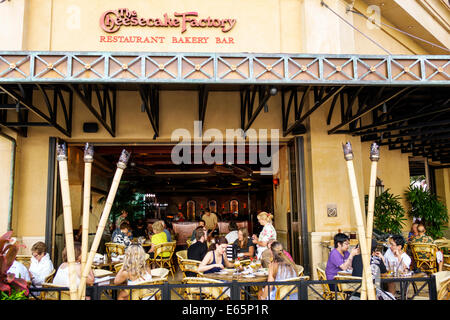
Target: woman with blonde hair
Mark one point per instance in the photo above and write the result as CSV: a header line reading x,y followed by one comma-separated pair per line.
x,y
281,268
158,237
267,233
134,270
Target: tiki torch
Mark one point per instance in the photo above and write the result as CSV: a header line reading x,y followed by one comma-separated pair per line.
x,y
374,157
121,165
88,159
348,155
61,152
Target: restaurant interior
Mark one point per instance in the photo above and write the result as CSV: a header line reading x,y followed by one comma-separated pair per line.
x,y
153,187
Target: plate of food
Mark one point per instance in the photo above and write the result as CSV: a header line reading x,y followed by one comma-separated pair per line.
x,y
261,273
251,275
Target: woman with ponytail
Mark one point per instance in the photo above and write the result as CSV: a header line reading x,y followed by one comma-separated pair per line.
x,y
216,258
281,268
267,234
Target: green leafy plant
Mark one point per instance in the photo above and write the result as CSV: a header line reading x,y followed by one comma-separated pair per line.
x,y
429,208
389,213
15,295
9,284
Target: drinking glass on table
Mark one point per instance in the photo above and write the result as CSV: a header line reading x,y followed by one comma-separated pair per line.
x,y
253,265
258,264
237,264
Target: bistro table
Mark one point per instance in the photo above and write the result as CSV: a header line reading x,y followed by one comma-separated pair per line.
x,y
404,285
229,275
107,279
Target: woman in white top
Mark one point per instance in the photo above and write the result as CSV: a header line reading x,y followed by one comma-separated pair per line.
x,y
268,233
134,270
41,266
62,275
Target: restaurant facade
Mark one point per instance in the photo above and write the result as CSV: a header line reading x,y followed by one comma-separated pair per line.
x,y
299,77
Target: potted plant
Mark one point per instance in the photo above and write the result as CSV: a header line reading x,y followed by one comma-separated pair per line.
x,y
389,214
427,206
11,288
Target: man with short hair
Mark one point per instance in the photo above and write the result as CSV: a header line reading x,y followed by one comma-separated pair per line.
x,y
339,259
423,238
198,250
167,232
211,224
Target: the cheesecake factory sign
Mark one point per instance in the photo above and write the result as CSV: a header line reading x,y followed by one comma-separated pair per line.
x,y
112,21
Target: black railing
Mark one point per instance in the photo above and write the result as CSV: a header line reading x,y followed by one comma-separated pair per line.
x,y
304,290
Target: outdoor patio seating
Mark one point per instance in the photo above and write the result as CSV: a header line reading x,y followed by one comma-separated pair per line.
x,y
159,260
116,248
285,292
188,265
204,293
424,255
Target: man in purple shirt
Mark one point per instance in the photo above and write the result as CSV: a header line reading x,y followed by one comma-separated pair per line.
x,y
340,258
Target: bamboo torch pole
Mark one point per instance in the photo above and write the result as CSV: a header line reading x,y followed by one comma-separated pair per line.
x,y
88,159
121,165
348,155
67,212
374,157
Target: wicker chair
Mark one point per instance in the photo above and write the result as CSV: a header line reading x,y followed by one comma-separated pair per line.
x,y
25,259
424,255
161,261
181,255
444,291
188,265
204,293
284,292
112,247
162,273
54,295
118,267
188,242
327,293
148,293
300,270
49,278
347,289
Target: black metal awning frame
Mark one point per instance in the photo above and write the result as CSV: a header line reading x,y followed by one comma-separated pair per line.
x,y
398,101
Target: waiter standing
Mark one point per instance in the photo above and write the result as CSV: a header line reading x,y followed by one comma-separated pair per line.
x,y
211,225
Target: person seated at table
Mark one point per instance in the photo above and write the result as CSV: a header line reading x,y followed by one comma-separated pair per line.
x,y
41,265
167,231
266,256
231,238
122,237
134,269
158,237
243,245
216,258
202,224
149,230
397,259
376,259
339,258
198,250
62,274
267,233
139,230
19,270
421,237
281,268
233,234
413,232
